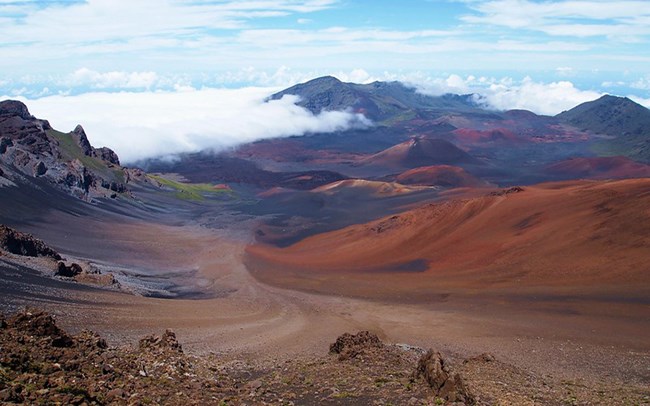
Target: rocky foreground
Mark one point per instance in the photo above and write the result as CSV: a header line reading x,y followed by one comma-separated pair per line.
x,y
43,364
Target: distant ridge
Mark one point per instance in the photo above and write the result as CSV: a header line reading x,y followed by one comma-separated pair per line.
x,y
618,117
609,115
377,100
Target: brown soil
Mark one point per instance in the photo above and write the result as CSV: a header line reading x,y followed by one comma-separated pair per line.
x,y
552,344
42,364
553,239
440,175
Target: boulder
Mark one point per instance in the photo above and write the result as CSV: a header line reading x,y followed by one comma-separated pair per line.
x,y
166,342
68,271
4,144
40,169
446,383
352,345
24,244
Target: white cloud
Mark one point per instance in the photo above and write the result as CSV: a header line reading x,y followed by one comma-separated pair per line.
x,y
154,123
542,98
114,79
577,18
564,71
506,93
642,101
642,83
147,124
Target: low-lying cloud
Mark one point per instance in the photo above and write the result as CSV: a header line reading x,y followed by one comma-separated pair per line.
x,y
150,124
147,124
506,93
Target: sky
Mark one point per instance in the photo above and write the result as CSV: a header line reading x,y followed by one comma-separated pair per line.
x,y
83,61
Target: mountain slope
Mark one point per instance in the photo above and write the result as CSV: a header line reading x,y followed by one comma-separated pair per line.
x,y
420,151
439,175
563,234
616,167
618,117
378,100
609,115
31,147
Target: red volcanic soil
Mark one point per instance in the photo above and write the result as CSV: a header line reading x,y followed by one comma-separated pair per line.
x,y
617,167
472,136
556,237
368,187
439,175
290,150
420,151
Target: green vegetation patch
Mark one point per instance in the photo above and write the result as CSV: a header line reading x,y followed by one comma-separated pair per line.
x,y
189,191
71,151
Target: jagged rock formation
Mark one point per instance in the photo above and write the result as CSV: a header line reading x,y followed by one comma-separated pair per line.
x,y
24,244
446,383
104,153
30,147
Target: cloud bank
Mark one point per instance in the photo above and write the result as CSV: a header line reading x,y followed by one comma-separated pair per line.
x,y
149,124
506,93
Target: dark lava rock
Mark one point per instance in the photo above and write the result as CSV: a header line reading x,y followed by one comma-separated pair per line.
x,y
4,144
166,342
446,383
41,324
24,244
79,135
350,346
114,186
514,189
40,169
12,394
15,108
108,155
68,271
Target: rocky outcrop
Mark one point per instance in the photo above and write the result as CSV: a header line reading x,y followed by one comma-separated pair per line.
x,y
166,342
79,136
114,186
14,108
349,346
68,271
135,175
42,325
106,154
4,144
446,383
28,147
24,244
42,364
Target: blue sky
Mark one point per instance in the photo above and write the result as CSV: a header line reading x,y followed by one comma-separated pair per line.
x,y
49,47
166,71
